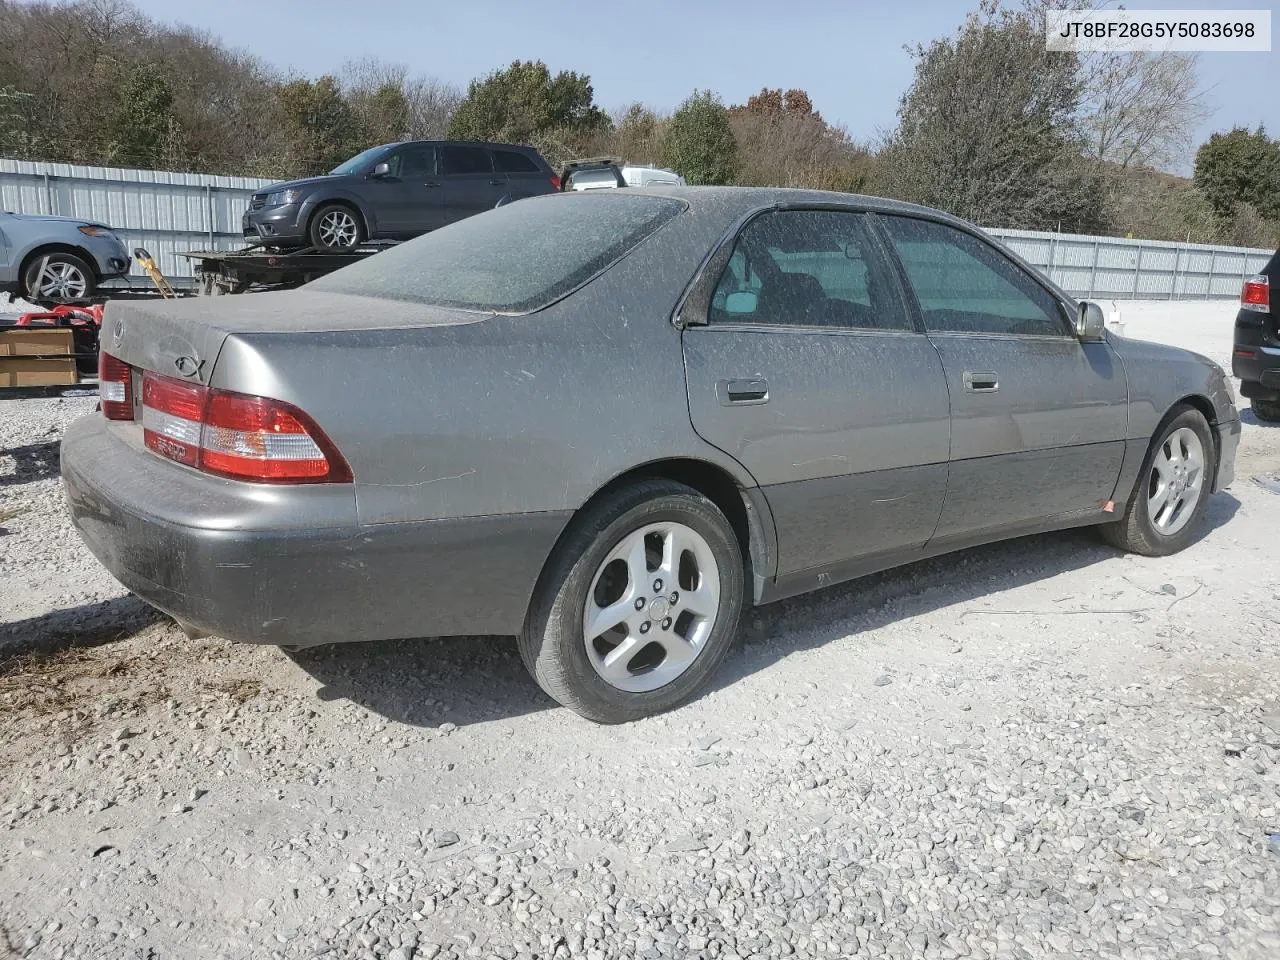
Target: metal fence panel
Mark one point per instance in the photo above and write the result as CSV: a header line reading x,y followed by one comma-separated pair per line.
x,y
172,212
1118,268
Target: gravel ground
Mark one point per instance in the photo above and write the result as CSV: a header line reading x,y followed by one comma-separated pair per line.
x,y
1035,749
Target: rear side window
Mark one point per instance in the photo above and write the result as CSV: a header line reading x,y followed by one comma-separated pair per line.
x,y
512,161
808,268
517,258
461,159
966,286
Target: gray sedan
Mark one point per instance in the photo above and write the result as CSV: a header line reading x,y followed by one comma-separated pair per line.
x,y
606,421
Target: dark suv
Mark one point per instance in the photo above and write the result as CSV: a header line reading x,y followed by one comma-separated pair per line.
x,y
395,192
1255,359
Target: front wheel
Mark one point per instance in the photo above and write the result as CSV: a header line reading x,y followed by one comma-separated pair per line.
x,y
59,277
1268,410
1171,496
335,227
638,605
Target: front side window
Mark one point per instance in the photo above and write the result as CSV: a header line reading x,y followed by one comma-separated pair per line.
x,y
808,268
513,259
413,162
966,286
459,159
361,161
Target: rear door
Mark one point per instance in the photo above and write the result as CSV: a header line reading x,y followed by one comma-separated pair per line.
x,y
469,183
1038,419
810,372
524,177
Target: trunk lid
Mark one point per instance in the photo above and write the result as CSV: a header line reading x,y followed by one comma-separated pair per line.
x,y
181,338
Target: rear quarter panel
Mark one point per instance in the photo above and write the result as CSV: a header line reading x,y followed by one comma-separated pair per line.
x,y
507,415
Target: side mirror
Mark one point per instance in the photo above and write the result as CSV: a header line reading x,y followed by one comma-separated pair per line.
x,y
744,301
1091,324
381,170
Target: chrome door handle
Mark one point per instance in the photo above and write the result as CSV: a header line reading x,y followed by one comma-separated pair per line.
x,y
981,382
744,391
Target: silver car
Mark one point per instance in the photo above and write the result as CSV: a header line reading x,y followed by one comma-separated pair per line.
x,y
57,258
606,421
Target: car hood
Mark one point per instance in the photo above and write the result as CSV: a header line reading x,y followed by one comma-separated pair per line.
x,y
41,218
300,184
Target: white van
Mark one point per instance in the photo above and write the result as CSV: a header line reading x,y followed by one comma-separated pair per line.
x,y
600,174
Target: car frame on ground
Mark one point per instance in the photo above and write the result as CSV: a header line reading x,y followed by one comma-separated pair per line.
x,y
396,191
1255,357
606,420
58,259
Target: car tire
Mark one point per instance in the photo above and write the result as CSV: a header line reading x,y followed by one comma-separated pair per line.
x,y
672,636
1161,517
335,226
67,279
1268,410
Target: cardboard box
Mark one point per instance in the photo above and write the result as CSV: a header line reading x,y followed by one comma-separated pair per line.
x,y
36,341
37,357
37,372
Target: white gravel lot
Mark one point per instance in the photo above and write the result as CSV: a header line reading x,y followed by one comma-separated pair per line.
x,y
1035,749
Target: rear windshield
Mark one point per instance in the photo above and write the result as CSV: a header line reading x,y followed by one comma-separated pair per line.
x,y
517,258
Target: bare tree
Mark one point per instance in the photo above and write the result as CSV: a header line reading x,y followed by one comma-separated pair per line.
x,y
431,101
1136,109
1140,109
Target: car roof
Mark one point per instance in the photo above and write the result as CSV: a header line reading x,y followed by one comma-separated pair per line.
x,y
745,200
493,144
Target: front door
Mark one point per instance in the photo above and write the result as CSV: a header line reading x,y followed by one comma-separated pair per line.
x,y
1038,419
810,372
408,200
469,182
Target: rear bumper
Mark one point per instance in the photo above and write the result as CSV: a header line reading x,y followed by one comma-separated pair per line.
x,y
1255,357
291,565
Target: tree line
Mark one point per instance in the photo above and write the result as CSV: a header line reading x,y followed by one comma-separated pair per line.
x,y
993,127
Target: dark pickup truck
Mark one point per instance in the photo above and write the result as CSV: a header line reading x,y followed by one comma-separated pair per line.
x,y
1255,359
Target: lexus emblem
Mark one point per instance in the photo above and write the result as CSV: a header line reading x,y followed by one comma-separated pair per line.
x,y
117,332
187,366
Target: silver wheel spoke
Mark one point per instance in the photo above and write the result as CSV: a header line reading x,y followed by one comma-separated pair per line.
x,y
609,617
614,664
680,653
702,602
1158,501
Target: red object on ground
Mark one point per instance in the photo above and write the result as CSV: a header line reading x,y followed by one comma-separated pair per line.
x,y
64,315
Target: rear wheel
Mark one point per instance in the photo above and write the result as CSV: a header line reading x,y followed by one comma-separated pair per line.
x,y
335,227
58,277
1171,496
639,604
1268,410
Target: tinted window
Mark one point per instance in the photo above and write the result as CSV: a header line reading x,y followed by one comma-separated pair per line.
x,y
516,258
967,286
808,267
511,161
418,160
459,159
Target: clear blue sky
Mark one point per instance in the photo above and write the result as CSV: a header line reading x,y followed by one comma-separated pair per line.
x,y
847,53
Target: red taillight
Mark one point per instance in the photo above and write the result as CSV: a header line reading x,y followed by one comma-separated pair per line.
x,y
555,181
236,435
172,418
115,387
1256,294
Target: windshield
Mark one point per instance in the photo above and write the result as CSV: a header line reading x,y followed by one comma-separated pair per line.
x,y
517,258
358,162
